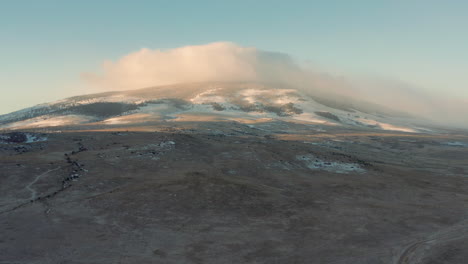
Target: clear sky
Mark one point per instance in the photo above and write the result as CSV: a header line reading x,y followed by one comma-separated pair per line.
x,y
45,45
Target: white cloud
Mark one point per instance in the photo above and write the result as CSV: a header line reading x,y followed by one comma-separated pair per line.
x,y
225,61
220,61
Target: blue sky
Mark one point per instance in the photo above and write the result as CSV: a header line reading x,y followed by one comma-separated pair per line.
x,y
46,45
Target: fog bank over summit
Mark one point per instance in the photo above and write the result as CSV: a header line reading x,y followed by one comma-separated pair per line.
x,y
230,62
220,61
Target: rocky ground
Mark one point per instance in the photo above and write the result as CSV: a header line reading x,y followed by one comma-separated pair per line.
x,y
226,192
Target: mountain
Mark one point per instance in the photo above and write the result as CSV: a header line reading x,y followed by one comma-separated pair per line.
x,y
242,102
229,173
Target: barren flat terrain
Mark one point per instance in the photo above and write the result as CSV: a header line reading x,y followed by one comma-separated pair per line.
x,y
227,192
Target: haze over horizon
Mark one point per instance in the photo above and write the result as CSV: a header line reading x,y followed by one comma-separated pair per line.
x,y
407,50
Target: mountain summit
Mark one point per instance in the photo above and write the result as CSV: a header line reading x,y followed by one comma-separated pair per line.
x,y
242,102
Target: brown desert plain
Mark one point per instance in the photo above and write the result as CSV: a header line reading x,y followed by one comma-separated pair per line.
x,y
227,192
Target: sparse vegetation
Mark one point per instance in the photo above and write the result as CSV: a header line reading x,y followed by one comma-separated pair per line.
x,y
288,109
104,109
217,106
200,182
176,102
328,115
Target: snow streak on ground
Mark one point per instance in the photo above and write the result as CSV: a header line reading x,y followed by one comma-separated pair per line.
x,y
386,126
34,138
210,103
456,144
315,163
48,121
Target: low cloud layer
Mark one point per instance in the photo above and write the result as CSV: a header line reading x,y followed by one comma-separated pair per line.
x,y
229,62
221,61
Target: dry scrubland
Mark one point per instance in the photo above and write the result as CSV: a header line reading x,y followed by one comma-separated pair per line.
x,y
225,192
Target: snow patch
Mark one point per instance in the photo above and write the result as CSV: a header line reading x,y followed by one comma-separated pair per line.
x,y
49,121
281,96
31,138
166,143
20,137
333,166
456,144
208,97
311,118
386,126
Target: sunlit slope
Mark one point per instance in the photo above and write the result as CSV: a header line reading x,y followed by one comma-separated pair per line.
x,y
210,102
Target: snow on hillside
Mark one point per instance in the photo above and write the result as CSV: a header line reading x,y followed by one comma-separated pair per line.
x,y
181,103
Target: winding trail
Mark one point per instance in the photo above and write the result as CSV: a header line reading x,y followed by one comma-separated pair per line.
x,y
414,252
29,186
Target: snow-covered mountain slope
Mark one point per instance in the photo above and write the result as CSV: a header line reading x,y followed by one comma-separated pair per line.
x,y
244,102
